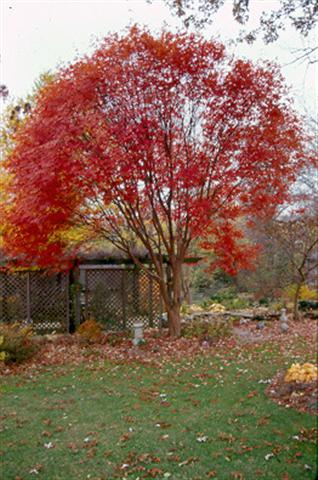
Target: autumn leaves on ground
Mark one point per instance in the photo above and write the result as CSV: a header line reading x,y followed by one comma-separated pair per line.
x,y
168,409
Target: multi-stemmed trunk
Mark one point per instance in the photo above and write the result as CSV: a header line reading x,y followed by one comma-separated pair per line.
x,y
171,291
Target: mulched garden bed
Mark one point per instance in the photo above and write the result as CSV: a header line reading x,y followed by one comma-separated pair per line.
x,y
159,349
68,349
300,396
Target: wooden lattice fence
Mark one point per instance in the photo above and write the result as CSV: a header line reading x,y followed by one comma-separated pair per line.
x,y
118,297
36,298
13,297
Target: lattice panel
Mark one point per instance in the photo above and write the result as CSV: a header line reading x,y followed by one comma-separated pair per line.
x,y
103,297
49,302
117,298
142,301
13,297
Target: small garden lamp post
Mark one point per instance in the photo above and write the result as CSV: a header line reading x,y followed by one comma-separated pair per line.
x,y
283,320
138,333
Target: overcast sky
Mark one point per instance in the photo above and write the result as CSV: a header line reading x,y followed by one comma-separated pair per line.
x,y
41,35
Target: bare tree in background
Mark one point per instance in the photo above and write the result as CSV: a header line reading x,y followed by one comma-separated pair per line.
x,y
296,231
298,235
4,92
302,15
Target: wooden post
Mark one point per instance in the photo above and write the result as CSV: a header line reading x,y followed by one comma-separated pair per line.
x,y
77,306
74,292
86,293
150,300
28,298
68,305
123,296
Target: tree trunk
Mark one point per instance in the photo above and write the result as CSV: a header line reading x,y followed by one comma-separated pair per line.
x,y
296,298
174,321
171,291
174,318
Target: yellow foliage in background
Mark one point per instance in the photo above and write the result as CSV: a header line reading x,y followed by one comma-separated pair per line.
x,y
306,293
2,354
72,235
216,307
301,373
189,309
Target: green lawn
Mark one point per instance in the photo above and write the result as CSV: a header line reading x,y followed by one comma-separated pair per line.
x,y
203,418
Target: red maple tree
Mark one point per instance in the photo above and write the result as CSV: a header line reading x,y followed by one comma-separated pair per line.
x,y
163,141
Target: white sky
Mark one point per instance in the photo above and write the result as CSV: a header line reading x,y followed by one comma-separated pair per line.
x,y
40,35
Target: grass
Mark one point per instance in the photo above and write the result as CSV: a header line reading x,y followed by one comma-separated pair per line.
x,y
203,418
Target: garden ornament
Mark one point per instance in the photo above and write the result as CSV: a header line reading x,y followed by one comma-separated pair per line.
x,y
138,333
283,320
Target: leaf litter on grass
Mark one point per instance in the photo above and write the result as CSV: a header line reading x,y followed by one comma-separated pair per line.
x,y
219,388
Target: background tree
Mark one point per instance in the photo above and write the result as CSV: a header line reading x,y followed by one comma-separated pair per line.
x,y
296,230
13,116
275,269
4,92
272,270
298,235
15,112
302,15
290,239
163,141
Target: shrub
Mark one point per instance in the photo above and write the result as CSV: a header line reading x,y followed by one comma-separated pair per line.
x,y
216,307
116,338
264,301
308,304
189,309
17,344
306,293
90,331
103,306
238,303
2,353
141,343
224,294
301,373
207,329
229,298
277,306
211,306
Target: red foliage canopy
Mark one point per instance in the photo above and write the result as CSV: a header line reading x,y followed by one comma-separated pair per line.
x,y
162,139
